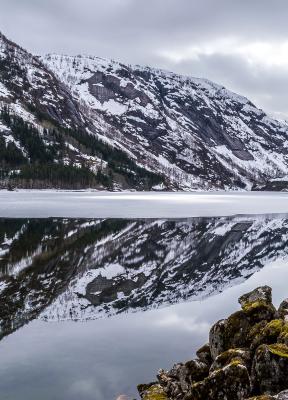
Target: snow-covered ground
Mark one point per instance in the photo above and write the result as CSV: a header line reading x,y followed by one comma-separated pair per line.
x,y
138,205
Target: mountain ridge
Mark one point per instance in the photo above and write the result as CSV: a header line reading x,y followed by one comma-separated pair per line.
x,y
98,82
131,127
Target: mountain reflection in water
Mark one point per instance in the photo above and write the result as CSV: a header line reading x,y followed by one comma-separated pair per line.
x,y
61,269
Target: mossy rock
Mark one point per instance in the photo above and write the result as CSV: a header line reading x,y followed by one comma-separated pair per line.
x,y
283,337
256,330
270,369
235,331
280,350
231,382
262,294
235,356
179,379
268,334
283,310
154,392
204,354
259,310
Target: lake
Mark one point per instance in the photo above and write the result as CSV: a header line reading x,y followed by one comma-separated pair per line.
x,y
99,291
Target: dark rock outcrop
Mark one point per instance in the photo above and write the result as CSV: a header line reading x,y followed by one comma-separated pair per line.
x,y
283,309
247,355
270,368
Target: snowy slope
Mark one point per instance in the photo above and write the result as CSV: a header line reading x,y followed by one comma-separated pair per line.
x,y
197,132
32,94
30,88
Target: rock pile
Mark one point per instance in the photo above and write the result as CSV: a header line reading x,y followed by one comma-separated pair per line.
x,y
247,355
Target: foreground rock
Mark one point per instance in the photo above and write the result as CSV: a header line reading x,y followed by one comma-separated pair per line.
x,y
246,358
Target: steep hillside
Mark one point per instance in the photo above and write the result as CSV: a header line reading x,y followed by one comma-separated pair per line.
x,y
46,140
194,131
79,122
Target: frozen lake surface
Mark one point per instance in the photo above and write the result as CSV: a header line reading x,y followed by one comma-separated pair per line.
x,y
139,205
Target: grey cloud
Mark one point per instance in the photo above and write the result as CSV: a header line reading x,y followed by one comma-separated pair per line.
x,y
137,31
264,86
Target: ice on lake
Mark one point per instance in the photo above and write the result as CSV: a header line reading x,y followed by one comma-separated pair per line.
x,y
139,205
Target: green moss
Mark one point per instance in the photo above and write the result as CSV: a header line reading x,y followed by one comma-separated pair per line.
x,y
256,330
236,361
230,356
279,349
266,333
284,331
155,392
248,307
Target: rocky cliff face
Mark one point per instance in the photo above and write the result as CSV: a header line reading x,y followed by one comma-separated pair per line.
x,y
196,132
31,89
247,355
71,269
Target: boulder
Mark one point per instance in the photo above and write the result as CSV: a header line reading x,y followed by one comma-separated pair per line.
x,y
267,333
204,354
179,379
283,337
283,310
152,392
262,294
247,355
234,332
270,369
231,382
241,356
217,338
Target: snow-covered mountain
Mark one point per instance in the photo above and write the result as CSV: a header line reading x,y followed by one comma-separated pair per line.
x,y
59,269
196,132
46,137
117,127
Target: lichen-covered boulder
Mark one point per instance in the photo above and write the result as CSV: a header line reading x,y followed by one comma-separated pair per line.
x,y
283,310
179,379
204,354
270,369
267,333
259,311
247,355
152,392
241,356
234,332
229,383
262,294
217,338
283,337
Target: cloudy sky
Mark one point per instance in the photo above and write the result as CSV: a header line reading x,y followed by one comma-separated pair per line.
x,y
240,44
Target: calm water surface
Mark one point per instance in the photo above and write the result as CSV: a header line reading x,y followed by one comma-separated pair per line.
x,y
89,308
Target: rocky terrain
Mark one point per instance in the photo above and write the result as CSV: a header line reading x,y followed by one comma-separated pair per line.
x,y
246,358
198,133
75,122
